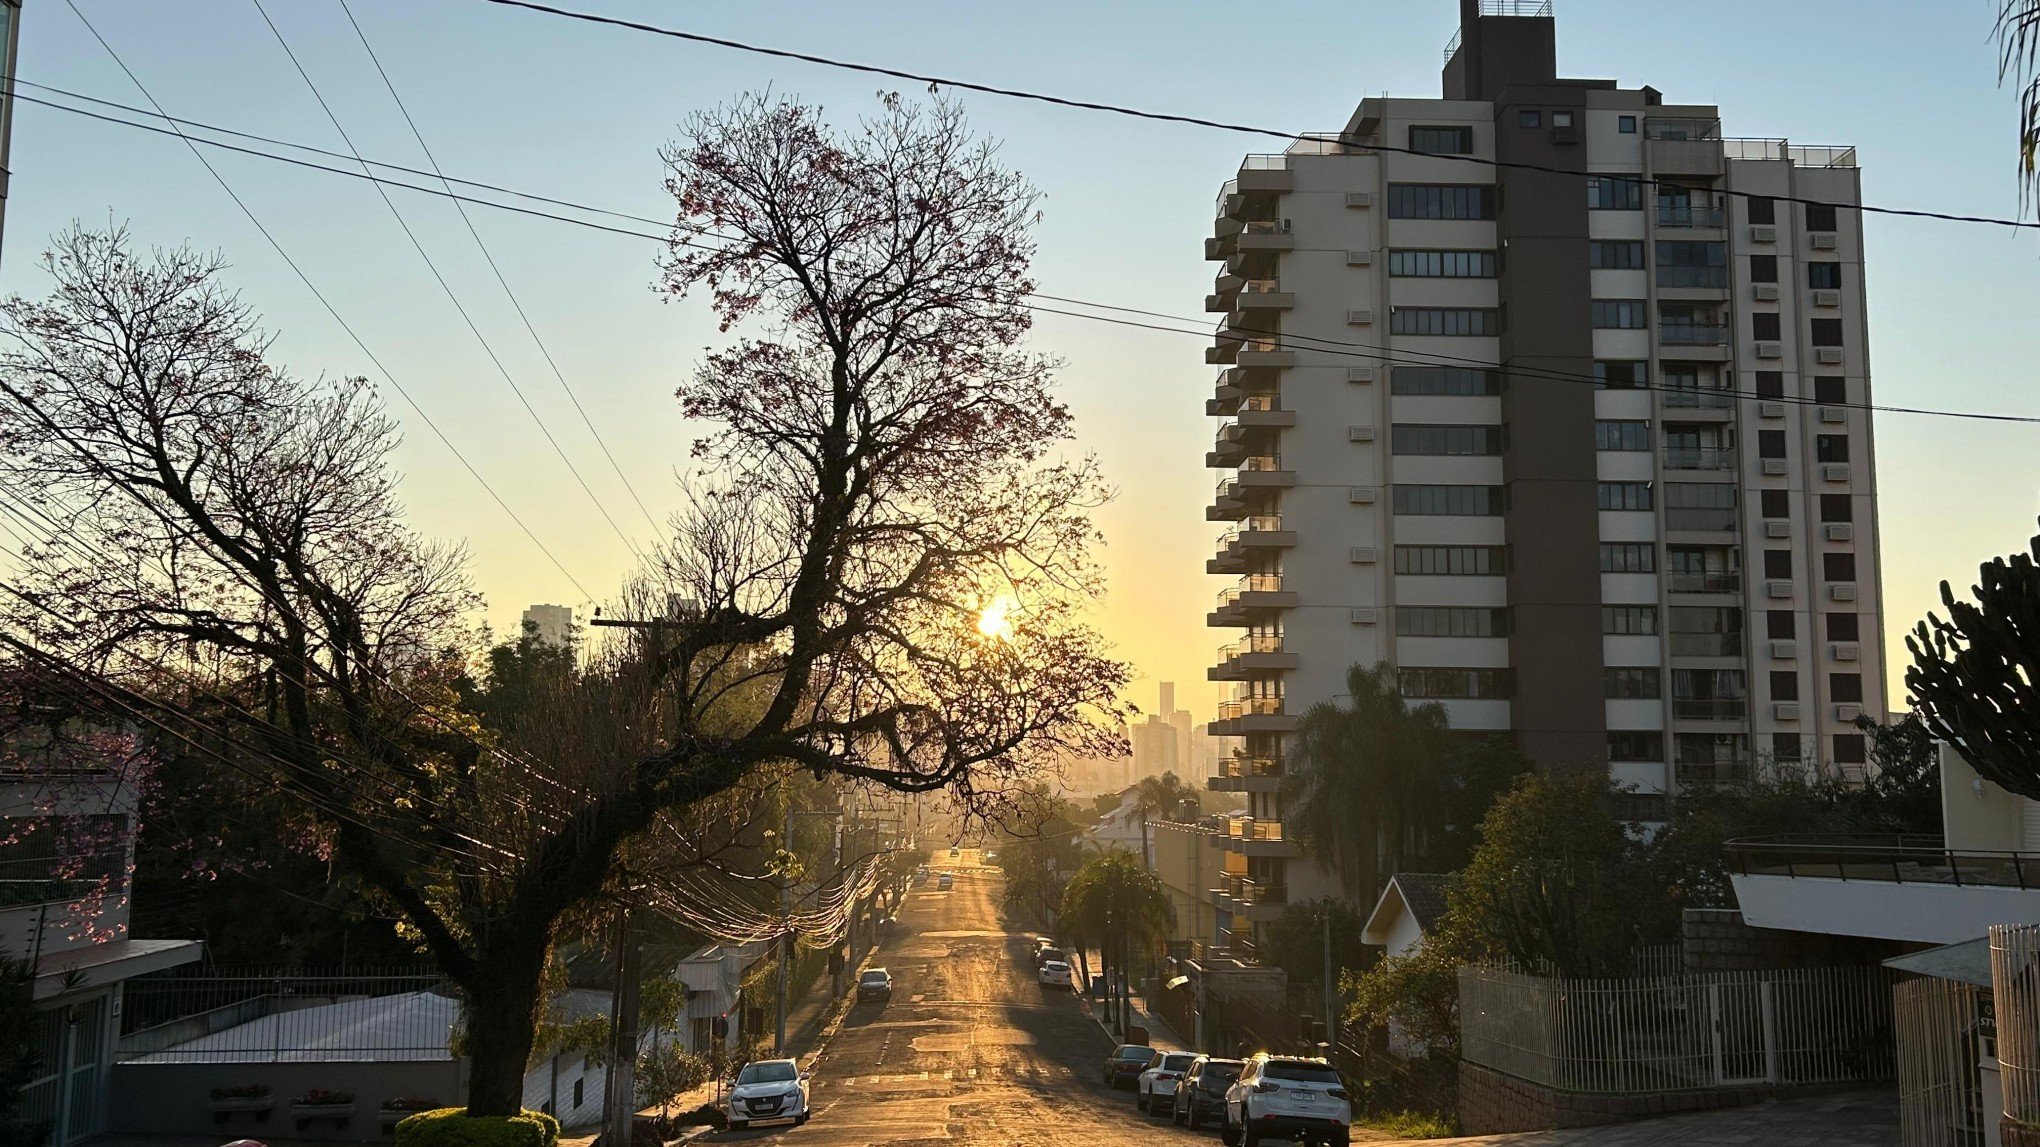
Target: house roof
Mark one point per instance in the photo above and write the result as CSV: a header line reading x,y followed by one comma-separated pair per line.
x,y
1967,962
1419,894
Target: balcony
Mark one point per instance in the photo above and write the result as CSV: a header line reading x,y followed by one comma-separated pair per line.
x,y
1255,900
1709,708
1713,581
1889,887
1253,248
1235,347
1697,398
1706,644
1252,837
1817,155
1680,217
1245,775
1699,458
1714,771
1245,715
1253,656
1702,278
1255,594
1239,545
1692,334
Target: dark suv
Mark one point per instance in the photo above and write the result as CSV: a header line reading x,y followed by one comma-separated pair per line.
x,y
1200,1098
874,984
1127,1061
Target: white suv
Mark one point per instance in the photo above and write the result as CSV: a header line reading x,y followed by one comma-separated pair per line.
x,y
1287,1097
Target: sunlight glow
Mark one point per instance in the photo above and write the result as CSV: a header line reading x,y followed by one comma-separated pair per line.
x,y
996,621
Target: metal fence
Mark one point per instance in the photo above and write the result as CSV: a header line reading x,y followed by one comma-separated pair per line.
x,y
1656,1034
2015,985
254,1017
1944,1033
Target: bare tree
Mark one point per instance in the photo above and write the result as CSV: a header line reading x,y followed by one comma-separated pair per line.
x,y
882,574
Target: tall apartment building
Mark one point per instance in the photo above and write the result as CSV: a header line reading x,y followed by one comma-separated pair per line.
x,y
552,624
1558,409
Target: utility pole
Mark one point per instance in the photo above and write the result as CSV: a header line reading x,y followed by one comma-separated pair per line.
x,y
1325,907
620,1094
785,920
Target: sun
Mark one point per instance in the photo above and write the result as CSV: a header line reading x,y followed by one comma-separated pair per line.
x,y
996,619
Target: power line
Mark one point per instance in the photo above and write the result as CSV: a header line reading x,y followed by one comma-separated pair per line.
x,y
1193,121
496,270
417,245
330,309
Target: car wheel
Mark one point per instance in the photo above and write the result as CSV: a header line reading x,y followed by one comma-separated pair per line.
x,y
1144,1101
1191,1120
1226,1134
1250,1135
800,1120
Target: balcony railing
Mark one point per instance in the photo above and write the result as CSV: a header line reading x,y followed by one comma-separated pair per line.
x,y
1261,402
1692,276
1247,767
1706,644
1252,583
1261,287
1713,582
1692,334
1247,828
1265,161
1709,708
1670,216
1261,346
1249,707
1261,463
1265,226
1806,156
1702,519
1884,859
1226,489
1675,127
1230,188
1715,771
1263,523
1253,643
1697,398
1699,458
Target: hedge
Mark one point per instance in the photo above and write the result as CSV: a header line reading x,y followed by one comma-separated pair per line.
x,y
454,1127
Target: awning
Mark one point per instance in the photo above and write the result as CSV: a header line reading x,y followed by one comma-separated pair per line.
x,y
1966,963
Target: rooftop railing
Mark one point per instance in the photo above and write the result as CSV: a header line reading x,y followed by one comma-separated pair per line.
x,y
1883,859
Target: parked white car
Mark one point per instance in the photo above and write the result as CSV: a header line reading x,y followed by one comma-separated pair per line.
x,y
1054,974
766,1090
1157,1085
1287,1097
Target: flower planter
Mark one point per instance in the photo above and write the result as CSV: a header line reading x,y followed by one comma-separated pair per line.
x,y
257,1105
307,1114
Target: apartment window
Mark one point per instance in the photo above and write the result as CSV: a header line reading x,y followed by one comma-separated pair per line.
x,y
1620,374
1615,254
1620,314
1451,501
1770,384
1837,508
1441,140
1778,624
1640,683
1786,746
1825,332
1629,620
1614,193
1623,495
1444,380
1778,565
1699,506
1784,685
1763,209
578,1092
1844,626
1454,440
1450,621
1447,684
1561,119
1824,276
1621,434
1770,444
1452,561
1838,566
1849,749
1764,326
1626,124
1820,217
1530,119
1687,263
1440,201
1442,264
1763,268
1846,688
1636,746
1443,321
1628,557
1774,503
1705,631
1830,390
1831,447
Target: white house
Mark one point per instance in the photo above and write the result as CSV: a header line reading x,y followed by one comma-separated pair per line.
x,y
1407,908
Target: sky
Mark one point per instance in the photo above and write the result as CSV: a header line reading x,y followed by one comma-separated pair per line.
x,y
579,112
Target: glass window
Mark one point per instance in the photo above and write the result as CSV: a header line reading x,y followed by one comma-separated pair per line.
x,y
1829,390
1787,746
1763,209
1455,683
1620,374
1825,332
1771,444
1784,685
1844,626
1441,140
1620,314
1626,124
1849,749
1529,119
1455,501
1837,508
1614,193
1831,447
1629,620
1621,434
1764,326
1442,264
1763,268
1846,687
1838,567
1641,683
1477,321
1824,276
1452,440
1444,380
1820,217
1636,746
1774,503
1615,254
1452,561
1778,565
1689,263
1770,384
1441,201
1778,624
1561,119
1623,495
1628,557
1699,506
1450,621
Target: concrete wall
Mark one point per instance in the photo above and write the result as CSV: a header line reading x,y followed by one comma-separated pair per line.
x,y
1188,867
1717,940
1492,1103
1976,815
174,1098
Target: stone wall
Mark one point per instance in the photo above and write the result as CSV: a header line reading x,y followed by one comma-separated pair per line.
x,y
1717,940
1491,1102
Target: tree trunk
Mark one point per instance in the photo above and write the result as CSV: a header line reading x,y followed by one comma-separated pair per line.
x,y
502,1015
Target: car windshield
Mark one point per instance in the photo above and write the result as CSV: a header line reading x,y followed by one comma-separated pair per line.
x,y
1300,1072
1177,1062
777,1071
872,978
1056,966
1216,1070
1140,1052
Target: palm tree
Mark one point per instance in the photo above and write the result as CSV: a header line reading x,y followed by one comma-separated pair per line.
x,y
1117,905
1163,794
1355,778
2018,37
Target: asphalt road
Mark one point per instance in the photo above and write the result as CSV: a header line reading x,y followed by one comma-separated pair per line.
x,y
970,1050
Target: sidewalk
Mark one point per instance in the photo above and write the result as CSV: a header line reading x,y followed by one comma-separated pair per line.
x,y
1160,1034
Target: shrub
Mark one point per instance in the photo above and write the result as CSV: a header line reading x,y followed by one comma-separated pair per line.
x,y
318,1096
242,1091
411,1103
454,1127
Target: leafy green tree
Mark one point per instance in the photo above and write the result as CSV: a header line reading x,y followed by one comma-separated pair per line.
x,y
1295,942
1114,904
1975,675
1042,849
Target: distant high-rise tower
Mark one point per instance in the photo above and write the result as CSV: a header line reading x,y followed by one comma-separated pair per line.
x,y
552,624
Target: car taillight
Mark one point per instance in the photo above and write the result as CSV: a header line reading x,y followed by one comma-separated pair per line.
x,y
1265,1088
1337,1093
